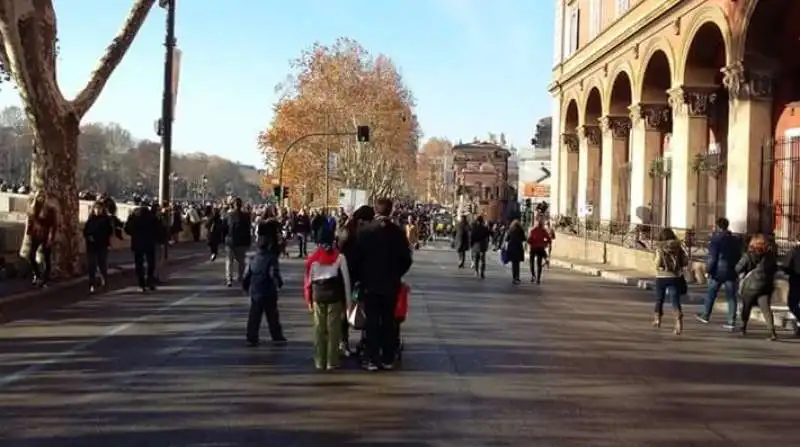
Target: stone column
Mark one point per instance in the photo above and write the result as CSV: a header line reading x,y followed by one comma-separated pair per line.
x,y
649,121
567,187
690,107
590,142
558,158
558,34
749,127
616,130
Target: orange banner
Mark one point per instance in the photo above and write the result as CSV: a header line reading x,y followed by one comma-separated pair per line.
x,y
535,190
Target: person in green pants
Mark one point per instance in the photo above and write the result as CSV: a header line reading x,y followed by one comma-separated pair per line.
x,y
327,289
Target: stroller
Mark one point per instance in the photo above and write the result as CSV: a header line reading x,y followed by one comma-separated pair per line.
x,y
400,314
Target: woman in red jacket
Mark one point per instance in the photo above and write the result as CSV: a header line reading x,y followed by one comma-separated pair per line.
x,y
538,241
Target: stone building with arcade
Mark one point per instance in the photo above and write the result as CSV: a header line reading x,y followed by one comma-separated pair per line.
x,y
677,112
481,177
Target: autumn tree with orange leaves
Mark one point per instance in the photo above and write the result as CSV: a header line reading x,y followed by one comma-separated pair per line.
x,y
433,163
334,89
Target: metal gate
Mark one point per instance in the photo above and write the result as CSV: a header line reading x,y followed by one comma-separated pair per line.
x,y
624,192
779,204
660,176
711,173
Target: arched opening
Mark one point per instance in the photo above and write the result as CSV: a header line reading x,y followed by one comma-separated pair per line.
x,y
656,81
619,105
570,137
593,142
704,66
772,44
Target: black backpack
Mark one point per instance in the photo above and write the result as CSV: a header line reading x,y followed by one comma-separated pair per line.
x,y
330,289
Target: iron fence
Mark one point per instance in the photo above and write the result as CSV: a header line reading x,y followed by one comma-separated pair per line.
x,y
636,236
779,203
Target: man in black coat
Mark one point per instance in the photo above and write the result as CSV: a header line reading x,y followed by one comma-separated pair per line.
x,y
144,228
479,243
461,240
237,233
382,258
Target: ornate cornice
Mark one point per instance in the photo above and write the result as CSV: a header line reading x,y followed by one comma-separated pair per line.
x,y
653,116
570,140
618,126
591,133
613,41
693,101
745,83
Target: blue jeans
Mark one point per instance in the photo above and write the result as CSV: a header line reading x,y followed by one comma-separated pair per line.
x,y
667,288
730,295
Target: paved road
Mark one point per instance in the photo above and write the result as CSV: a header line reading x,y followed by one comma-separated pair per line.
x,y
572,362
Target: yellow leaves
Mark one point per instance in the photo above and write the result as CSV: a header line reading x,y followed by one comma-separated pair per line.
x,y
333,89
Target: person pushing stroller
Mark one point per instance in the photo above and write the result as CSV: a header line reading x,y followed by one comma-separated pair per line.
x,y
382,257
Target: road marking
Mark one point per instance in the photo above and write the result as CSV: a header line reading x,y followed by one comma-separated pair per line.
x,y
164,355
43,364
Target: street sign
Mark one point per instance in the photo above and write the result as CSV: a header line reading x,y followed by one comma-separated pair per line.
x,y
586,210
351,199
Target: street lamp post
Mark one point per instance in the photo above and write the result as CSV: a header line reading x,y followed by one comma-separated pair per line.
x,y
205,187
165,124
173,183
362,132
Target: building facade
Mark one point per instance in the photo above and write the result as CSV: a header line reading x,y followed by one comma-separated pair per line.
x,y
481,175
677,112
513,167
535,175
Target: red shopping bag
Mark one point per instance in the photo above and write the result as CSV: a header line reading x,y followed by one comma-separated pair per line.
x,y
401,309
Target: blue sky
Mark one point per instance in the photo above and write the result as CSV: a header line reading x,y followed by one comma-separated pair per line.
x,y
474,66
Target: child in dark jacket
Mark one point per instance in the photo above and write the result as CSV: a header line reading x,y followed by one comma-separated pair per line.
x,y
327,289
262,280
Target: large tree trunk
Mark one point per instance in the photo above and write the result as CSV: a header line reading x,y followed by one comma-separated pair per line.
x,y
54,171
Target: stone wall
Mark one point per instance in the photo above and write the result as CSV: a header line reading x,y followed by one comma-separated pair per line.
x,y
13,208
576,248
573,248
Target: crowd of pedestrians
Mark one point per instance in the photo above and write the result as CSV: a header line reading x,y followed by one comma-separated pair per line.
x,y
513,242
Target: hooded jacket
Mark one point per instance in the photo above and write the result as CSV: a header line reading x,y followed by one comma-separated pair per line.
x,y
262,276
670,259
326,266
538,238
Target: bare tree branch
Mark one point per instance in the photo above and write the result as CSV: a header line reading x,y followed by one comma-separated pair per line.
x,y
28,38
112,57
5,73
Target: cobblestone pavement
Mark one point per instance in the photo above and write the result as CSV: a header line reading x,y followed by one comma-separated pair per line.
x,y
571,362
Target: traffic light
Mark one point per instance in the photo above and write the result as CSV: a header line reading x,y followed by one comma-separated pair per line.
x,y
276,191
362,133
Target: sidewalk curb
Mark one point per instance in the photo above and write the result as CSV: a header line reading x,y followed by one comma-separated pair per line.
x,y
694,299
55,288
